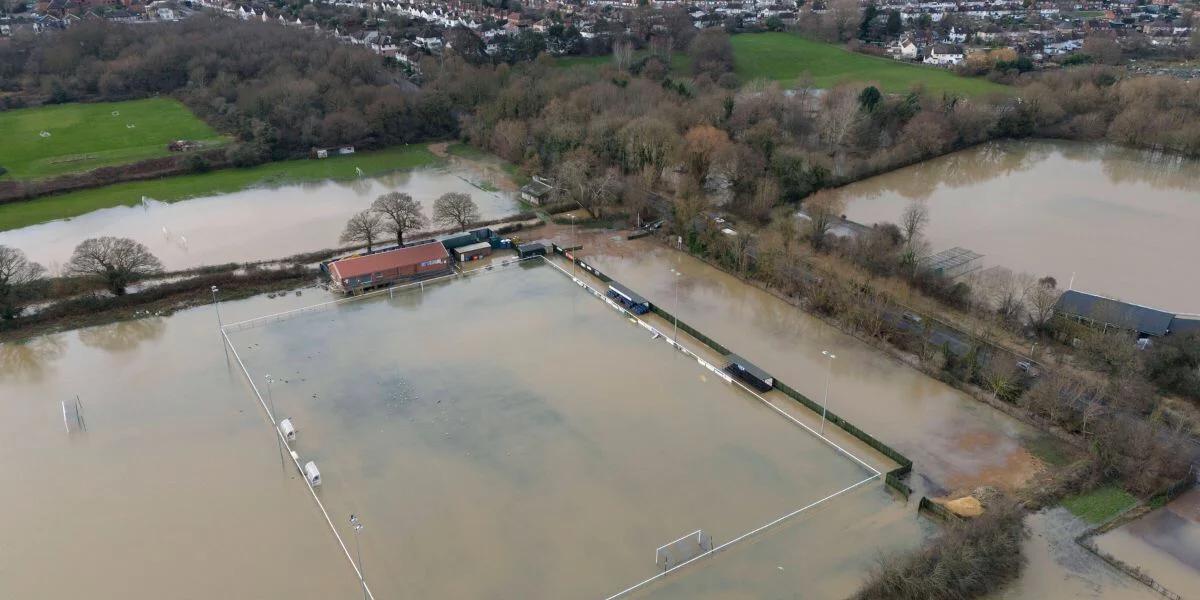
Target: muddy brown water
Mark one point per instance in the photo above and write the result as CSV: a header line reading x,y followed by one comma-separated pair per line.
x,y
1164,544
253,224
174,491
956,442
509,427
1057,567
1123,221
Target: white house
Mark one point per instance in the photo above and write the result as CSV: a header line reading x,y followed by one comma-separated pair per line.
x,y
944,55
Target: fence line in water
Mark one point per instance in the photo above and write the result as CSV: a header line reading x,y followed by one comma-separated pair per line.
x,y
296,461
713,368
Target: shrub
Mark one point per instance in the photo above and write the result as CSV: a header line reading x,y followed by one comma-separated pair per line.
x,y
972,559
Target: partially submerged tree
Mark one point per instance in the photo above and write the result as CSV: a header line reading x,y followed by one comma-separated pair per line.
x,y
401,214
16,272
823,210
455,209
364,227
116,261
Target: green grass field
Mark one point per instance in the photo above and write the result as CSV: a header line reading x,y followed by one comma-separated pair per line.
x,y
784,57
49,208
1100,504
86,136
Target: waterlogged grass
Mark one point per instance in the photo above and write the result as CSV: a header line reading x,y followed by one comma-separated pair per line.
x,y
469,152
86,136
784,57
1100,504
41,210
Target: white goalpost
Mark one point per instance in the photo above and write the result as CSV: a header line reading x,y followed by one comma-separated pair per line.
x,y
679,551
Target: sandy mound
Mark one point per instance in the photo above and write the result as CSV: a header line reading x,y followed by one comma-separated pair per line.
x,y
967,506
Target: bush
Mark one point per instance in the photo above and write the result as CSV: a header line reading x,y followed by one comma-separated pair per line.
x,y
1173,365
972,559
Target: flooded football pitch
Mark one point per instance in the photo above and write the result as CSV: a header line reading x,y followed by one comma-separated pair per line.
x,y
509,426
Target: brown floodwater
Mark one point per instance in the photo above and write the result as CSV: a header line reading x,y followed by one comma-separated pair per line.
x,y
1123,221
506,435
175,489
1057,567
1164,544
253,224
956,443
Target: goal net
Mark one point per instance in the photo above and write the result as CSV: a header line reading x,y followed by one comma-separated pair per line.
x,y
686,548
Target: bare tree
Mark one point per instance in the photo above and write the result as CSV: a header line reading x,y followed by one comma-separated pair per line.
x,y
364,227
16,271
117,261
913,221
455,209
1042,299
839,115
622,54
823,210
401,213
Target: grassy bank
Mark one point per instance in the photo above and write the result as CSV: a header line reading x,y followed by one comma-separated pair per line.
x,y
68,138
40,210
1100,504
784,57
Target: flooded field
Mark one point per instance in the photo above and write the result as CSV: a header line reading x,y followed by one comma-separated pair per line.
x,y
957,443
507,435
1123,221
174,490
1164,544
1057,567
253,224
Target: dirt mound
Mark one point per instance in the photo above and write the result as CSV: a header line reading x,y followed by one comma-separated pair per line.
x,y
967,506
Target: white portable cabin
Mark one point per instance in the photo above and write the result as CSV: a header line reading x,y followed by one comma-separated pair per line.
x,y
312,474
288,430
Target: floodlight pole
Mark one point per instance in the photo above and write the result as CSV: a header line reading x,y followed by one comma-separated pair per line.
x,y
275,423
362,578
574,244
675,279
217,305
825,402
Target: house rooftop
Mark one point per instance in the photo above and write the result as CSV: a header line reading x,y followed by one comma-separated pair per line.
x,y
1108,311
357,266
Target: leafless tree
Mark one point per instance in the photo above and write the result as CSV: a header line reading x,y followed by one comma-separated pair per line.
x,y
16,271
117,261
401,214
823,210
364,227
839,114
913,221
622,54
455,209
1040,303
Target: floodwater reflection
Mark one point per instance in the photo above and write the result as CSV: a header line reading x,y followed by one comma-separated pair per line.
x,y
253,224
1122,221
